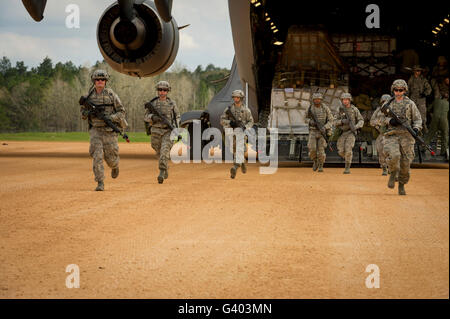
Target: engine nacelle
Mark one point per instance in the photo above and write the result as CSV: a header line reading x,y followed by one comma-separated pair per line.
x,y
146,46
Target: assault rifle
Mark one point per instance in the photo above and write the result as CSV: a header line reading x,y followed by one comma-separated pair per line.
x,y
164,119
320,127
387,110
233,118
350,121
99,112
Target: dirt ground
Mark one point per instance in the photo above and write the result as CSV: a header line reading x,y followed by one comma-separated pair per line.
x,y
293,234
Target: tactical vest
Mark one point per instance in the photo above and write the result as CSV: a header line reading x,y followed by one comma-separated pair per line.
x,y
352,111
167,109
404,111
321,115
104,100
239,113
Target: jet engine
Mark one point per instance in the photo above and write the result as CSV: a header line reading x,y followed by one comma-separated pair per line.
x,y
135,40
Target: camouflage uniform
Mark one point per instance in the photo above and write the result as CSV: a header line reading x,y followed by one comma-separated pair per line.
x,y
243,114
103,141
439,120
160,132
378,121
346,141
419,88
398,142
316,142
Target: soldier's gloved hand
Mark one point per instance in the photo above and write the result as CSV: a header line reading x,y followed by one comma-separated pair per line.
x,y
394,122
233,124
82,100
344,121
156,118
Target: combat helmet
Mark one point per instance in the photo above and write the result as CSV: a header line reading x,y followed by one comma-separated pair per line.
x,y
238,93
99,74
346,95
384,98
163,85
317,95
399,83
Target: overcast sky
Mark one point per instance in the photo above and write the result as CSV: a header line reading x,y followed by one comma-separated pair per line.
x,y
207,40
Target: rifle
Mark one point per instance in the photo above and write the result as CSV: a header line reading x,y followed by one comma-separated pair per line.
x,y
99,112
387,110
239,123
155,111
350,122
320,128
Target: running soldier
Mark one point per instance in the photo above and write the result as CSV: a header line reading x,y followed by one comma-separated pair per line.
x,y
160,131
103,140
349,120
399,144
419,89
237,116
316,139
377,121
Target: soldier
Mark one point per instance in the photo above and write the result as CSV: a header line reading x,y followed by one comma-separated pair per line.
x,y
399,144
241,114
346,141
316,142
377,120
439,120
103,140
160,132
419,89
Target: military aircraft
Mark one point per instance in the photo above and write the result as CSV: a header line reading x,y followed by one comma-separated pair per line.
x,y
136,37
284,51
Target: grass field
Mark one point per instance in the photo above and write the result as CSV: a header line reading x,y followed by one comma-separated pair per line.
x,y
66,137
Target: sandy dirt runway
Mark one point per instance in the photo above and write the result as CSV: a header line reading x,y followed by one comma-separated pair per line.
x,y
293,234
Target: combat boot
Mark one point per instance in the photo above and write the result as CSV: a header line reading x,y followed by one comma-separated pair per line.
x,y
166,174
233,171
115,172
347,168
243,168
315,165
100,186
392,178
320,167
385,171
401,189
161,176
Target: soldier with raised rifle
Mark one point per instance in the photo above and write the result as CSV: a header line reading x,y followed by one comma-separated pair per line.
x,y
237,116
403,120
162,114
106,116
349,120
320,121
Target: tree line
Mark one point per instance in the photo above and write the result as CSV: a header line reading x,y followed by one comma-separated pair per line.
x,y
45,98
